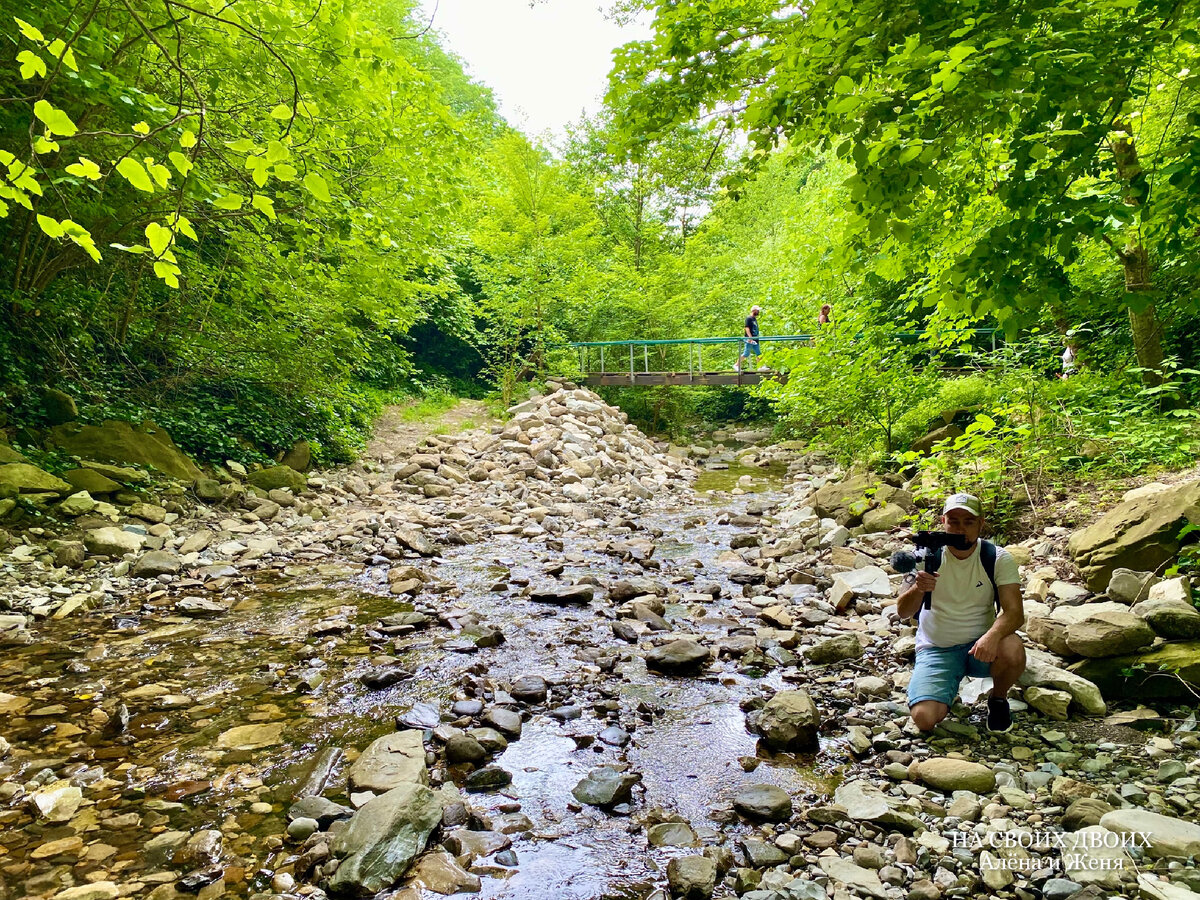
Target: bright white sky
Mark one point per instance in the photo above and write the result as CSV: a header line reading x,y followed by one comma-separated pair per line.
x,y
545,63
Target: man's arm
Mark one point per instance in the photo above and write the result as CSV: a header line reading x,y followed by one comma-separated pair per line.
x,y
910,598
1012,617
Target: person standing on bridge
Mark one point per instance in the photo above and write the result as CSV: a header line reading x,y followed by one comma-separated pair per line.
x,y
750,339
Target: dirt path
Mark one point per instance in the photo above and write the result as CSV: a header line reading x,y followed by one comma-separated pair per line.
x,y
395,437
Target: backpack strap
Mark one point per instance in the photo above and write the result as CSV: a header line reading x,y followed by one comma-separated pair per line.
x,y
987,556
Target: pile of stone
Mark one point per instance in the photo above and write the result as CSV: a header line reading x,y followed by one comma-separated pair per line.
x,y
568,445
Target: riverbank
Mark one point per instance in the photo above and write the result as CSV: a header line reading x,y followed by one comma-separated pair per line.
x,y
592,668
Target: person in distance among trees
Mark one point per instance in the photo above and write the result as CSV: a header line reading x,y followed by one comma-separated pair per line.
x,y
968,611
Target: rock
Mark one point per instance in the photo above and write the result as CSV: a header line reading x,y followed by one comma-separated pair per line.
x,y
869,581
381,677
1141,674
864,881
672,834
1049,702
489,778
97,890
155,563
764,802
148,512
1088,861
606,786
861,800
77,504
1042,670
1159,835
120,442
924,444
1139,534
324,812
529,689
91,481
1130,587
438,872
844,501
299,457
788,722
111,541
24,478
301,828
1109,634
200,608
56,802
885,518
835,649
636,587
415,541
276,477
462,748
1169,611
564,596
1084,812
692,877
382,840
251,737
949,775
389,762
209,490
678,657
68,553
1151,888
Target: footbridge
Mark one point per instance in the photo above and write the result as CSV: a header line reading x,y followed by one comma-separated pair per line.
x,y
681,361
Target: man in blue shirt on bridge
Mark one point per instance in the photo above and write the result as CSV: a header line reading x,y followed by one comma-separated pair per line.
x,y
750,342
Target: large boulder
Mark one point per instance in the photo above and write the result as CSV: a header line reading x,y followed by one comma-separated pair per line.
x,y
59,407
1169,672
382,840
1159,835
605,786
678,657
692,877
1043,670
120,442
390,761
112,541
950,775
278,477
1169,610
1140,533
844,501
299,457
788,722
1109,634
924,444
23,478
91,481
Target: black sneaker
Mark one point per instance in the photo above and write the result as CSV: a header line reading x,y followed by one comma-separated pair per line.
x,y
999,717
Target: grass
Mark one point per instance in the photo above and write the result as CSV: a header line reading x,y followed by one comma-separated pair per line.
x,y
429,407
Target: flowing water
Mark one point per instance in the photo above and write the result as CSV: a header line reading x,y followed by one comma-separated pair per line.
x,y
188,682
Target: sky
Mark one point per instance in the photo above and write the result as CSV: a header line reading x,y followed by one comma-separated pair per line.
x,y
545,63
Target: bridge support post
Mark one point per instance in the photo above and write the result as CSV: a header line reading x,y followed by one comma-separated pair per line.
x,y
601,360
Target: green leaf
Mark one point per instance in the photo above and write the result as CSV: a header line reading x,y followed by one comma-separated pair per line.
x,y
29,31
317,187
141,128
60,50
82,238
285,172
182,164
133,172
57,121
43,145
158,237
264,205
158,171
50,226
183,226
276,152
844,85
168,272
85,168
31,64
242,145
187,140
229,201
282,111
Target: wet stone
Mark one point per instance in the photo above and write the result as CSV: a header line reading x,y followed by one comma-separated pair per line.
x,y
678,657
529,689
489,778
462,748
606,787
324,811
763,801
504,720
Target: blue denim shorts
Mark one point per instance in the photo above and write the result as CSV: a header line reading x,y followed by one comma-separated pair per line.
x,y
750,348
938,672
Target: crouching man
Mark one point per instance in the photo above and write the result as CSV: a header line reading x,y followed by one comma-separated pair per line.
x,y
969,609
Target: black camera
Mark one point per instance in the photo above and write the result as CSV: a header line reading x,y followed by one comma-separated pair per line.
x,y
903,561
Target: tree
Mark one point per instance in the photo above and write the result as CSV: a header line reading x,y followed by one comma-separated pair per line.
x,y
1023,132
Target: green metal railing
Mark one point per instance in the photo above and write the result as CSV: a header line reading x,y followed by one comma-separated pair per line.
x,y
695,349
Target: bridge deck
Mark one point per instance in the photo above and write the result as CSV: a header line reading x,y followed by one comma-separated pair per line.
x,y
652,379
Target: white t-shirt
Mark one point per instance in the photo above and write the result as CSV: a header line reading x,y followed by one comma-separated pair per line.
x,y
963,608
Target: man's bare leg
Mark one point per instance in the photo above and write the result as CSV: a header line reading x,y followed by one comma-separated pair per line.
x,y
1009,664
928,713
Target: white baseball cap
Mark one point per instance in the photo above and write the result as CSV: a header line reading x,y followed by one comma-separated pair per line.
x,y
969,502
755,309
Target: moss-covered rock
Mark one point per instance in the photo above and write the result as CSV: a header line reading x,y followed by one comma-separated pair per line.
x,y
29,479
120,442
1171,671
91,481
278,477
